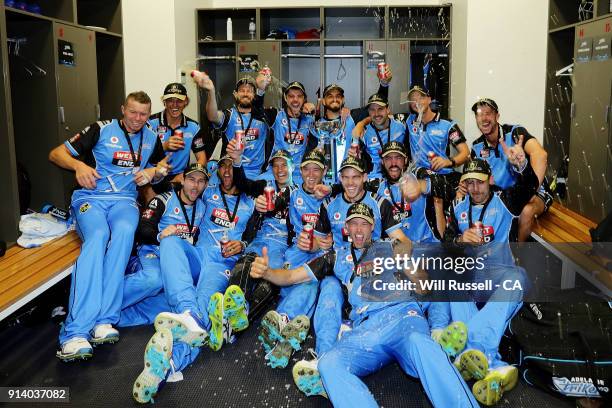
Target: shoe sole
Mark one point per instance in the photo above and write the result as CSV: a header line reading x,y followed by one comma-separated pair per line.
x,y
179,330
454,338
234,306
267,343
280,355
271,323
215,314
474,363
156,365
296,330
82,354
308,380
104,340
489,390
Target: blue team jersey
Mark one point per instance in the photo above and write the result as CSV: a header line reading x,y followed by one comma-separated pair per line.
x,y
375,139
435,137
291,134
503,175
218,219
256,133
411,216
333,218
191,136
104,145
497,218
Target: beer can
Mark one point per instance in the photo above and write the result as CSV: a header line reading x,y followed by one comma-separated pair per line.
x,y
178,133
266,71
479,227
309,229
382,67
224,240
355,145
431,155
239,137
269,193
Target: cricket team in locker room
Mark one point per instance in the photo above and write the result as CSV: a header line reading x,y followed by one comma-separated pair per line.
x,y
201,248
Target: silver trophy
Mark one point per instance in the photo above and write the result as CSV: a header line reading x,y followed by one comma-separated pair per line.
x,y
332,142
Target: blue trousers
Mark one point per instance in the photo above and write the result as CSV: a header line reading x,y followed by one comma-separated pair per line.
x,y
398,333
146,281
300,298
107,230
276,249
328,314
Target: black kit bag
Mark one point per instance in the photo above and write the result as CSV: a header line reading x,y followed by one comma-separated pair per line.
x,y
565,348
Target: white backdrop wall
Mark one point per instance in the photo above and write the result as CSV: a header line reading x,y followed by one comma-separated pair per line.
x,y
498,51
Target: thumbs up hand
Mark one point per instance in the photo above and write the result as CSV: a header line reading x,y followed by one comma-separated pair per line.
x,y
260,266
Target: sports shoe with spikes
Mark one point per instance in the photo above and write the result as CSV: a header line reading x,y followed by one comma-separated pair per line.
x,y
156,366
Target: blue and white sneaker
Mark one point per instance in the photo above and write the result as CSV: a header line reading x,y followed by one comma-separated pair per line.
x,y
307,378
74,349
185,327
104,334
156,366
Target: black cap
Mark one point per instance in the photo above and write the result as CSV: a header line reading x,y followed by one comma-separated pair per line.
x,y
175,90
315,156
476,169
378,100
331,87
246,81
394,147
485,102
360,210
281,154
295,85
419,90
193,167
351,161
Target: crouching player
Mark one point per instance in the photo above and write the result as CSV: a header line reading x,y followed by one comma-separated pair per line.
x,y
383,331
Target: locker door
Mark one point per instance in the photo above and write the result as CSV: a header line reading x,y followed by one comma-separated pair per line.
x,y
266,53
375,51
398,55
608,177
77,84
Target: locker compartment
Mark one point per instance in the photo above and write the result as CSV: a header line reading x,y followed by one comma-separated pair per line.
x,y
218,60
294,20
419,22
564,12
111,84
354,23
429,68
344,66
301,61
104,14
213,24
61,9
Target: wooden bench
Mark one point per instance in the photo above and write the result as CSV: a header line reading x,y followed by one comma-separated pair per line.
x,y
563,226
26,273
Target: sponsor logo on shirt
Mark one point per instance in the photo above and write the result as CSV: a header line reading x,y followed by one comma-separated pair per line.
x,y
298,138
84,207
147,214
311,218
299,201
124,159
114,139
436,132
176,210
219,217
484,153
182,231
337,216
454,137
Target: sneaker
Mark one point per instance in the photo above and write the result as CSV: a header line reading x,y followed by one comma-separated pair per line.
x,y
270,330
104,333
235,308
307,379
490,389
293,334
156,366
185,327
472,364
217,321
75,348
453,338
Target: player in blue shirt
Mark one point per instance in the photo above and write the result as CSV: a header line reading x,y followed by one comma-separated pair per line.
x,y
243,118
487,147
177,148
383,331
497,213
177,212
110,159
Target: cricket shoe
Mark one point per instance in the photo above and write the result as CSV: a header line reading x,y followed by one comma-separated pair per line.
x,y
74,349
490,389
472,364
307,378
156,366
235,308
293,335
103,334
270,330
185,327
453,338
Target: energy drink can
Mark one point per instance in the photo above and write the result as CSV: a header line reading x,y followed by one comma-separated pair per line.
x,y
382,68
269,194
239,138
309,229
266,71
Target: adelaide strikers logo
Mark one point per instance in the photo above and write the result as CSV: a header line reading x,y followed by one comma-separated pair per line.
x,y
337,216
114,139
299,201
84,207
